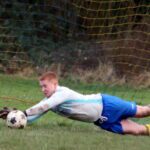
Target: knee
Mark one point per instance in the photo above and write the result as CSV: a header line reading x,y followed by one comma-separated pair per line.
x,y
142,111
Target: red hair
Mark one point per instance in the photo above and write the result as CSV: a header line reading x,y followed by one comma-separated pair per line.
x,y
51,76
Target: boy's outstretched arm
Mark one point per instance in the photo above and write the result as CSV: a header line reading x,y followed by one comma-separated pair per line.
x,y
5,111
35,114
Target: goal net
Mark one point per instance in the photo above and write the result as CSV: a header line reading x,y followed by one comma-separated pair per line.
x,y
79,33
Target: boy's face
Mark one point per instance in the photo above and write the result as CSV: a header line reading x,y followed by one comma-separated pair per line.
x,y
48,87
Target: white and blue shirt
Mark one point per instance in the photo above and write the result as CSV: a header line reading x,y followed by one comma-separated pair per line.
x,y
69,103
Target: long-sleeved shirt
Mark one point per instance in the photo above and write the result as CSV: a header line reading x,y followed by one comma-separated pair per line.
x,y
69,103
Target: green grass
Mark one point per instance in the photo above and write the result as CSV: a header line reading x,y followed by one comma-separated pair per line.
x,y
52,132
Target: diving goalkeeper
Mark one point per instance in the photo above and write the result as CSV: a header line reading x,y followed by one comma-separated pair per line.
x,y
107,112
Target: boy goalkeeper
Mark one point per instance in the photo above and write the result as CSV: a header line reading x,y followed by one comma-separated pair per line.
x,y
108,112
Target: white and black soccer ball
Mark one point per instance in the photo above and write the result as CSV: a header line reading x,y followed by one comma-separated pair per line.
x,y
16,119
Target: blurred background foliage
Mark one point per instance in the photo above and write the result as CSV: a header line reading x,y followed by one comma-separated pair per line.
x,y
71,36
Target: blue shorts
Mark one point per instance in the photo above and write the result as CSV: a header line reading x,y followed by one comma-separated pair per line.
x,y
115,110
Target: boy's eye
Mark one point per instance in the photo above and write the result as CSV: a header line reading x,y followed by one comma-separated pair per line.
x,y
44,86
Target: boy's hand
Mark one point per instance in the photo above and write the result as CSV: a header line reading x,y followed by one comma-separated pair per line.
x,y
5,111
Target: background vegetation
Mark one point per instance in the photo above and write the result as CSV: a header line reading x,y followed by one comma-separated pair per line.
x,y
75,36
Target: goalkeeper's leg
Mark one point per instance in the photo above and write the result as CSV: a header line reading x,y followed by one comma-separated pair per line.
x,y
131,127
142,111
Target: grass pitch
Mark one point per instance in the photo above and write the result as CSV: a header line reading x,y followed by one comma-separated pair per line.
x,y
52,132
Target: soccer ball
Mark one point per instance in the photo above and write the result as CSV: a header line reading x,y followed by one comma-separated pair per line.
x,y
16,119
